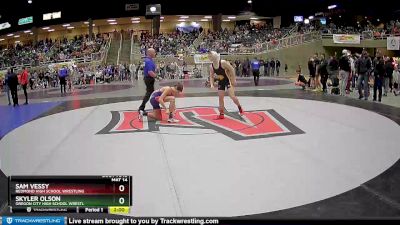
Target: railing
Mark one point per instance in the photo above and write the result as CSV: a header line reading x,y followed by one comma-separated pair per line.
x,y
291,31
120,47
93,57
131,55
197,41
274,45
365,35
106,49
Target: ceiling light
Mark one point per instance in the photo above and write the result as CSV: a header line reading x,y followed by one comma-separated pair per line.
x,y
86,22
135,18
207,17
1,39
93,24
249,1
27,31
9,35
311,17
332,6
51,30
231,17
225,20
46,28
111,20
162,17
66,25
161,21
70,27
136,21
181,20
306,21
113,23
153,9
17,36
204,20
184,17
29,1
253,18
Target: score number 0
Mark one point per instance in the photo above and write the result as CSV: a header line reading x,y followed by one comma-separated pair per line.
x,y
121,200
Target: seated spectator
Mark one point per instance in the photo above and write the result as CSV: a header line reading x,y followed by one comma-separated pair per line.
x,y
301,80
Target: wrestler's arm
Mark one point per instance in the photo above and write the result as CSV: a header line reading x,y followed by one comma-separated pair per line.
x,y
230,71
211,77
165,93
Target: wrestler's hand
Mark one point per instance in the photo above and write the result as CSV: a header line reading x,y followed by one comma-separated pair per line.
x,y
212,86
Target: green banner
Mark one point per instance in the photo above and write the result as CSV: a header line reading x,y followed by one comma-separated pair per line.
x,y
25,20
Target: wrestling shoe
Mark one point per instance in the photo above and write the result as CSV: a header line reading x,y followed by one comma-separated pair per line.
x,y
240,110
220,117
173,120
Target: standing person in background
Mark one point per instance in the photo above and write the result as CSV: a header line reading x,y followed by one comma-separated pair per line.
x,y
272,67
63,73
344,71
311,70
286,68
132,69
396,79
46,79
237,67
13,85
24,83
363,69
137,70
6,87
278,66
162,69
255,67
353,77
32,80
317,64
388,75
246,67
379,74
333,70
323,72
121,69
149,73
266,67
262,67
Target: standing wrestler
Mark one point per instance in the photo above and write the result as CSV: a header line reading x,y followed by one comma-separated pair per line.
x,y
226,80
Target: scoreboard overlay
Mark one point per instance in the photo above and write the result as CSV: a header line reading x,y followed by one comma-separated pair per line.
x,y
82,194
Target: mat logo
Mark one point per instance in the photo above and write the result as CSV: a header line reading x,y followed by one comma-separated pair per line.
x,y
251,125
9,220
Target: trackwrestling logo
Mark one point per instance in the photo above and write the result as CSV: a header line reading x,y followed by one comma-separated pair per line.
x,y
251,125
